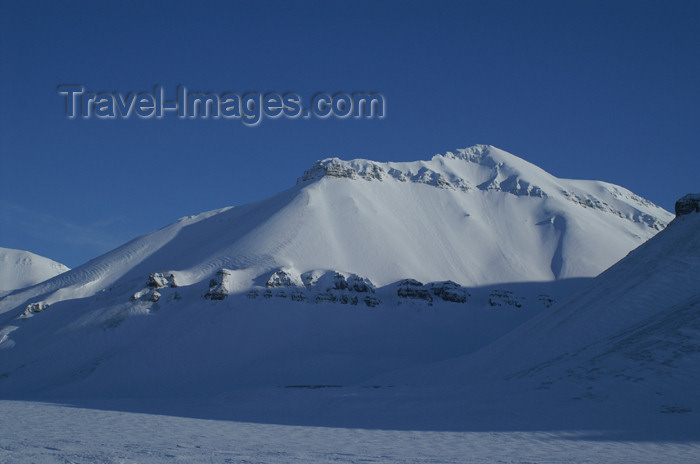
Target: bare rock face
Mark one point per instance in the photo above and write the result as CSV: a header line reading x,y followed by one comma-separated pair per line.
x,y
450,291
284,278
446,291
33,308
546,300
161,279
505,298
352,282
688,204
334,167
218,289
413,289
318,286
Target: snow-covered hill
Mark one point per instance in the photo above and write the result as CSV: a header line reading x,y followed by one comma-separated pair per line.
x,y
625,347
360,269
20,269
633,330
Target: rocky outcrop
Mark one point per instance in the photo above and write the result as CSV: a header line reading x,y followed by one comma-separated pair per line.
x,y
318,287
546,300
352,282
586,201
156,281
283,278
511,184
33,308
369,171
449,291
688,204
336,297
435,179
160,280
413,290
324,287
218,286
334,167
146,294
505,298
343,288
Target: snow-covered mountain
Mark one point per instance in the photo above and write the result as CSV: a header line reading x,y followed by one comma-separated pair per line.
x,y
20,269
359,269
478,216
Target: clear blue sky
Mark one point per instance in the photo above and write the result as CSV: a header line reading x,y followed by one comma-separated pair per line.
x,y
598,90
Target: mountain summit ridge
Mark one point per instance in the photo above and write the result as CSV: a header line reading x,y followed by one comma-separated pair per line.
x,y
485,167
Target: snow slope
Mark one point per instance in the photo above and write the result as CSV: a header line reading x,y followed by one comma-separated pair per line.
x,y
625,348
20,269
643,314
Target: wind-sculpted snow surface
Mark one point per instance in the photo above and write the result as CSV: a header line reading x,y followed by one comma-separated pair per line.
x,y
52,433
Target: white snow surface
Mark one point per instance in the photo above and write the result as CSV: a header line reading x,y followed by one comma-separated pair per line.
x,y
53,433
20,269
478,216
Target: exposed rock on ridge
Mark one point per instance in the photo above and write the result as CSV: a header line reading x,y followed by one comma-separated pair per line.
x,y
688,204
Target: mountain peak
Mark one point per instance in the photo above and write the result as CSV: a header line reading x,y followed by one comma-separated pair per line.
x,y
335,167
482,167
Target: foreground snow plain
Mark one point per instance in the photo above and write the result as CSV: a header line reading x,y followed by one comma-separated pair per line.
x,y
53,433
